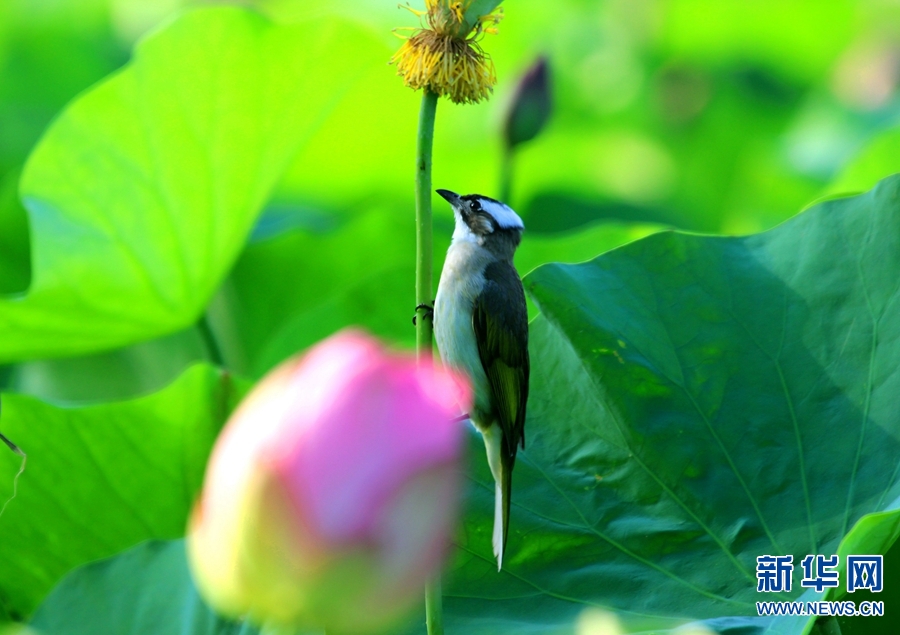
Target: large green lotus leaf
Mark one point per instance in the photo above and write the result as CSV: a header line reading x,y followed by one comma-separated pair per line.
x,y
698,402
148,589
289,291
143,191
145,591
883,524
101,478
123,373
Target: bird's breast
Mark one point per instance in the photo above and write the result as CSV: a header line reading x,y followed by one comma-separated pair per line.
x,y
462,279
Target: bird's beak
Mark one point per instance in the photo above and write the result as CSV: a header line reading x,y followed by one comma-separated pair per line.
x,y
450,197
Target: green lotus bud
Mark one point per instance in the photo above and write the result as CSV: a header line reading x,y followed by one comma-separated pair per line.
x,y
531,106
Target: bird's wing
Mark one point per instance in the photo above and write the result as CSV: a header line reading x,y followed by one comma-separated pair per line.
x,y
500,319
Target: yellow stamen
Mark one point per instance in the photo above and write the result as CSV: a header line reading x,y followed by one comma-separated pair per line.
x,y
440,58
415,12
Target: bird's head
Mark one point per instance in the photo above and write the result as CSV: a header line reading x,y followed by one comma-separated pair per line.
x,y
485,221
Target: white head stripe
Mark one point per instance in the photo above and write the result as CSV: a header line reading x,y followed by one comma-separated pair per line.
x,y
505,217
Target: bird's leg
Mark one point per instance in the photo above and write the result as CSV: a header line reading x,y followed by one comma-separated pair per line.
x,y
429,311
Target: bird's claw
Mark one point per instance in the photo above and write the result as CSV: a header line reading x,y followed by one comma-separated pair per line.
x,y
429,311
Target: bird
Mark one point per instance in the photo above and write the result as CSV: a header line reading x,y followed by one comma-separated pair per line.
x,y
481,328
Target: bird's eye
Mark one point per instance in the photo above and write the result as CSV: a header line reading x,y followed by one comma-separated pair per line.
x,y
475,206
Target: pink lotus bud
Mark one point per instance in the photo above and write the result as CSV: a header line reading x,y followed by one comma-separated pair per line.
x,y
331,494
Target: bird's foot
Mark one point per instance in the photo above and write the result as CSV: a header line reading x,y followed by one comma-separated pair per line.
x,y
429,312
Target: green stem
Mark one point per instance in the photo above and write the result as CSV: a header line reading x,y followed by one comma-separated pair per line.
x,y
434,611
209,339
424,247
506,175
434,618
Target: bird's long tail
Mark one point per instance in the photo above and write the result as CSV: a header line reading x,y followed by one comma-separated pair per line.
x,y
503,496
501,463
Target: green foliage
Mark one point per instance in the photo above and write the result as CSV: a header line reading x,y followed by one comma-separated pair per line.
x,y
155,197
151,182
878,159
47,56
478,9
531,106
101,478
112,375
367,282
691,113
146,591
696,401
675,434
686,108
15,249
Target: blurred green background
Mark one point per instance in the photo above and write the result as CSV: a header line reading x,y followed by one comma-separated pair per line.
x,y
705,115
715,116
710,115
720,116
